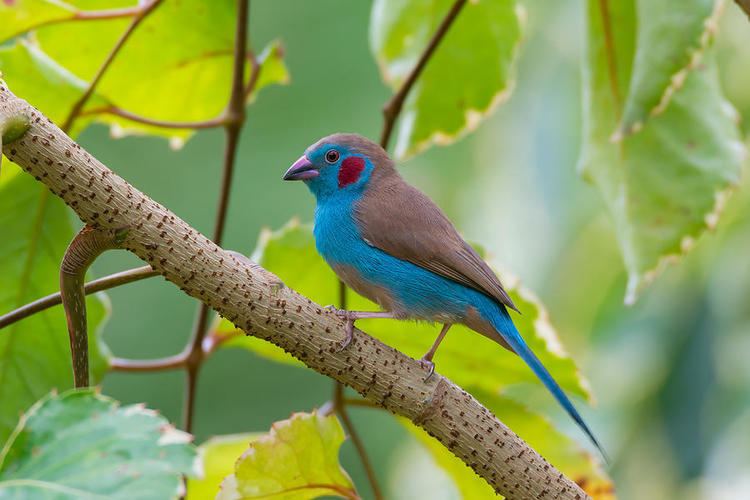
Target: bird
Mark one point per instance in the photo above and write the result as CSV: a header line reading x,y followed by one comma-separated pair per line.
x,y
390,243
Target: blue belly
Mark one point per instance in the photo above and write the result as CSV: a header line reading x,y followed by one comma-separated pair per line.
x,y
419,292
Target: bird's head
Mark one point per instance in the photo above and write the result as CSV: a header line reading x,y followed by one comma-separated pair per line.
x,y
340,165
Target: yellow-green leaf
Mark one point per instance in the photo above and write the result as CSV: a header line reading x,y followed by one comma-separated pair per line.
x,y
471,71
217,456
666,184
185,81
297,460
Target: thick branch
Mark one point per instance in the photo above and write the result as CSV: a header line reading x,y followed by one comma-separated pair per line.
x,y
256,301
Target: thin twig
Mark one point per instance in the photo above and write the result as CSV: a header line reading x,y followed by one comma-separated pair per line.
x,y
235,118
392,108
339,406
138,17
122,113
98,285
148,365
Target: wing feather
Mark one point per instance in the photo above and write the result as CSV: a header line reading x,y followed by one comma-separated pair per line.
x,y
401,221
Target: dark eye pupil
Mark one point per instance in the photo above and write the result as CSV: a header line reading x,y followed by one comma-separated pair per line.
x,y
332,155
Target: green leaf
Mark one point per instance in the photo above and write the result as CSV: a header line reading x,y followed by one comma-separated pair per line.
x,y
218,456
83,445
296,460
670,40
471,71
43,82
557,448
20,16
185,81
35,352
467,358
665,184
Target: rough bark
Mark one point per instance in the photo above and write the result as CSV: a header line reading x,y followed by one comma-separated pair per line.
x,y
258,302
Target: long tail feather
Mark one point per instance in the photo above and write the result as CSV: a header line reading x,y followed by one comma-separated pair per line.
x,y
507,330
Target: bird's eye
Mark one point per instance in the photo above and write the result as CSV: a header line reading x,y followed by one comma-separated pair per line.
x,y
332,156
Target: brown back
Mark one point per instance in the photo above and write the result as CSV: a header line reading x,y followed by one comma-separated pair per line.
x,y
403,222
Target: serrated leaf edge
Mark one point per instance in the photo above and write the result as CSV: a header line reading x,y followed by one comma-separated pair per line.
x,y
637,281
677,80
472,116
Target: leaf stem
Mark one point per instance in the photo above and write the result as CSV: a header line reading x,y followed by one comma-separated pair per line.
x,y
393,107
235,118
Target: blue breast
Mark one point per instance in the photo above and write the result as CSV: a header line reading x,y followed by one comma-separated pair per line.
x,y
424,294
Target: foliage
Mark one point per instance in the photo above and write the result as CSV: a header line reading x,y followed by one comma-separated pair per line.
x,y
34,355
444,103
666,179
296,460
83,445
218,456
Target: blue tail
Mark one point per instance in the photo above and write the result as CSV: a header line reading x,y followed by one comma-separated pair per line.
x,y
507,330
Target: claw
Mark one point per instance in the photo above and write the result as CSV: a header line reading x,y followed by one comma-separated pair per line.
x,y
348,327
429,365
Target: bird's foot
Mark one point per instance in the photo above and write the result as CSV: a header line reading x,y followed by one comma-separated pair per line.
x,y
428,365
349,318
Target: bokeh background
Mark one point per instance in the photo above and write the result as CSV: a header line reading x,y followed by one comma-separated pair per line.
x,y
671,374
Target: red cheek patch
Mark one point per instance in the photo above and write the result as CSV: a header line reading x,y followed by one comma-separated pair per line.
x,y
351,169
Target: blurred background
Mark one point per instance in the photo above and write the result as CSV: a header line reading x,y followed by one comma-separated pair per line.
x,y
671,374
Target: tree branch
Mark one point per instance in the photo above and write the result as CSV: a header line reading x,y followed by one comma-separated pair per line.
x,y
86,246
392,108
256,301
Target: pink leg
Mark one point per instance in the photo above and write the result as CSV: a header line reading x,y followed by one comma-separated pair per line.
x,y
426,360
351,316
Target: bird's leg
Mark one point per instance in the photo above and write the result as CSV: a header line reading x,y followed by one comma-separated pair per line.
x,y
351,316
426,360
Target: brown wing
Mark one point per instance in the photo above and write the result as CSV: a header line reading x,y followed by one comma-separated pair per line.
x,y
401,221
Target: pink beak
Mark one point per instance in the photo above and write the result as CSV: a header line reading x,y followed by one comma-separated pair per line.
x,y
301,170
